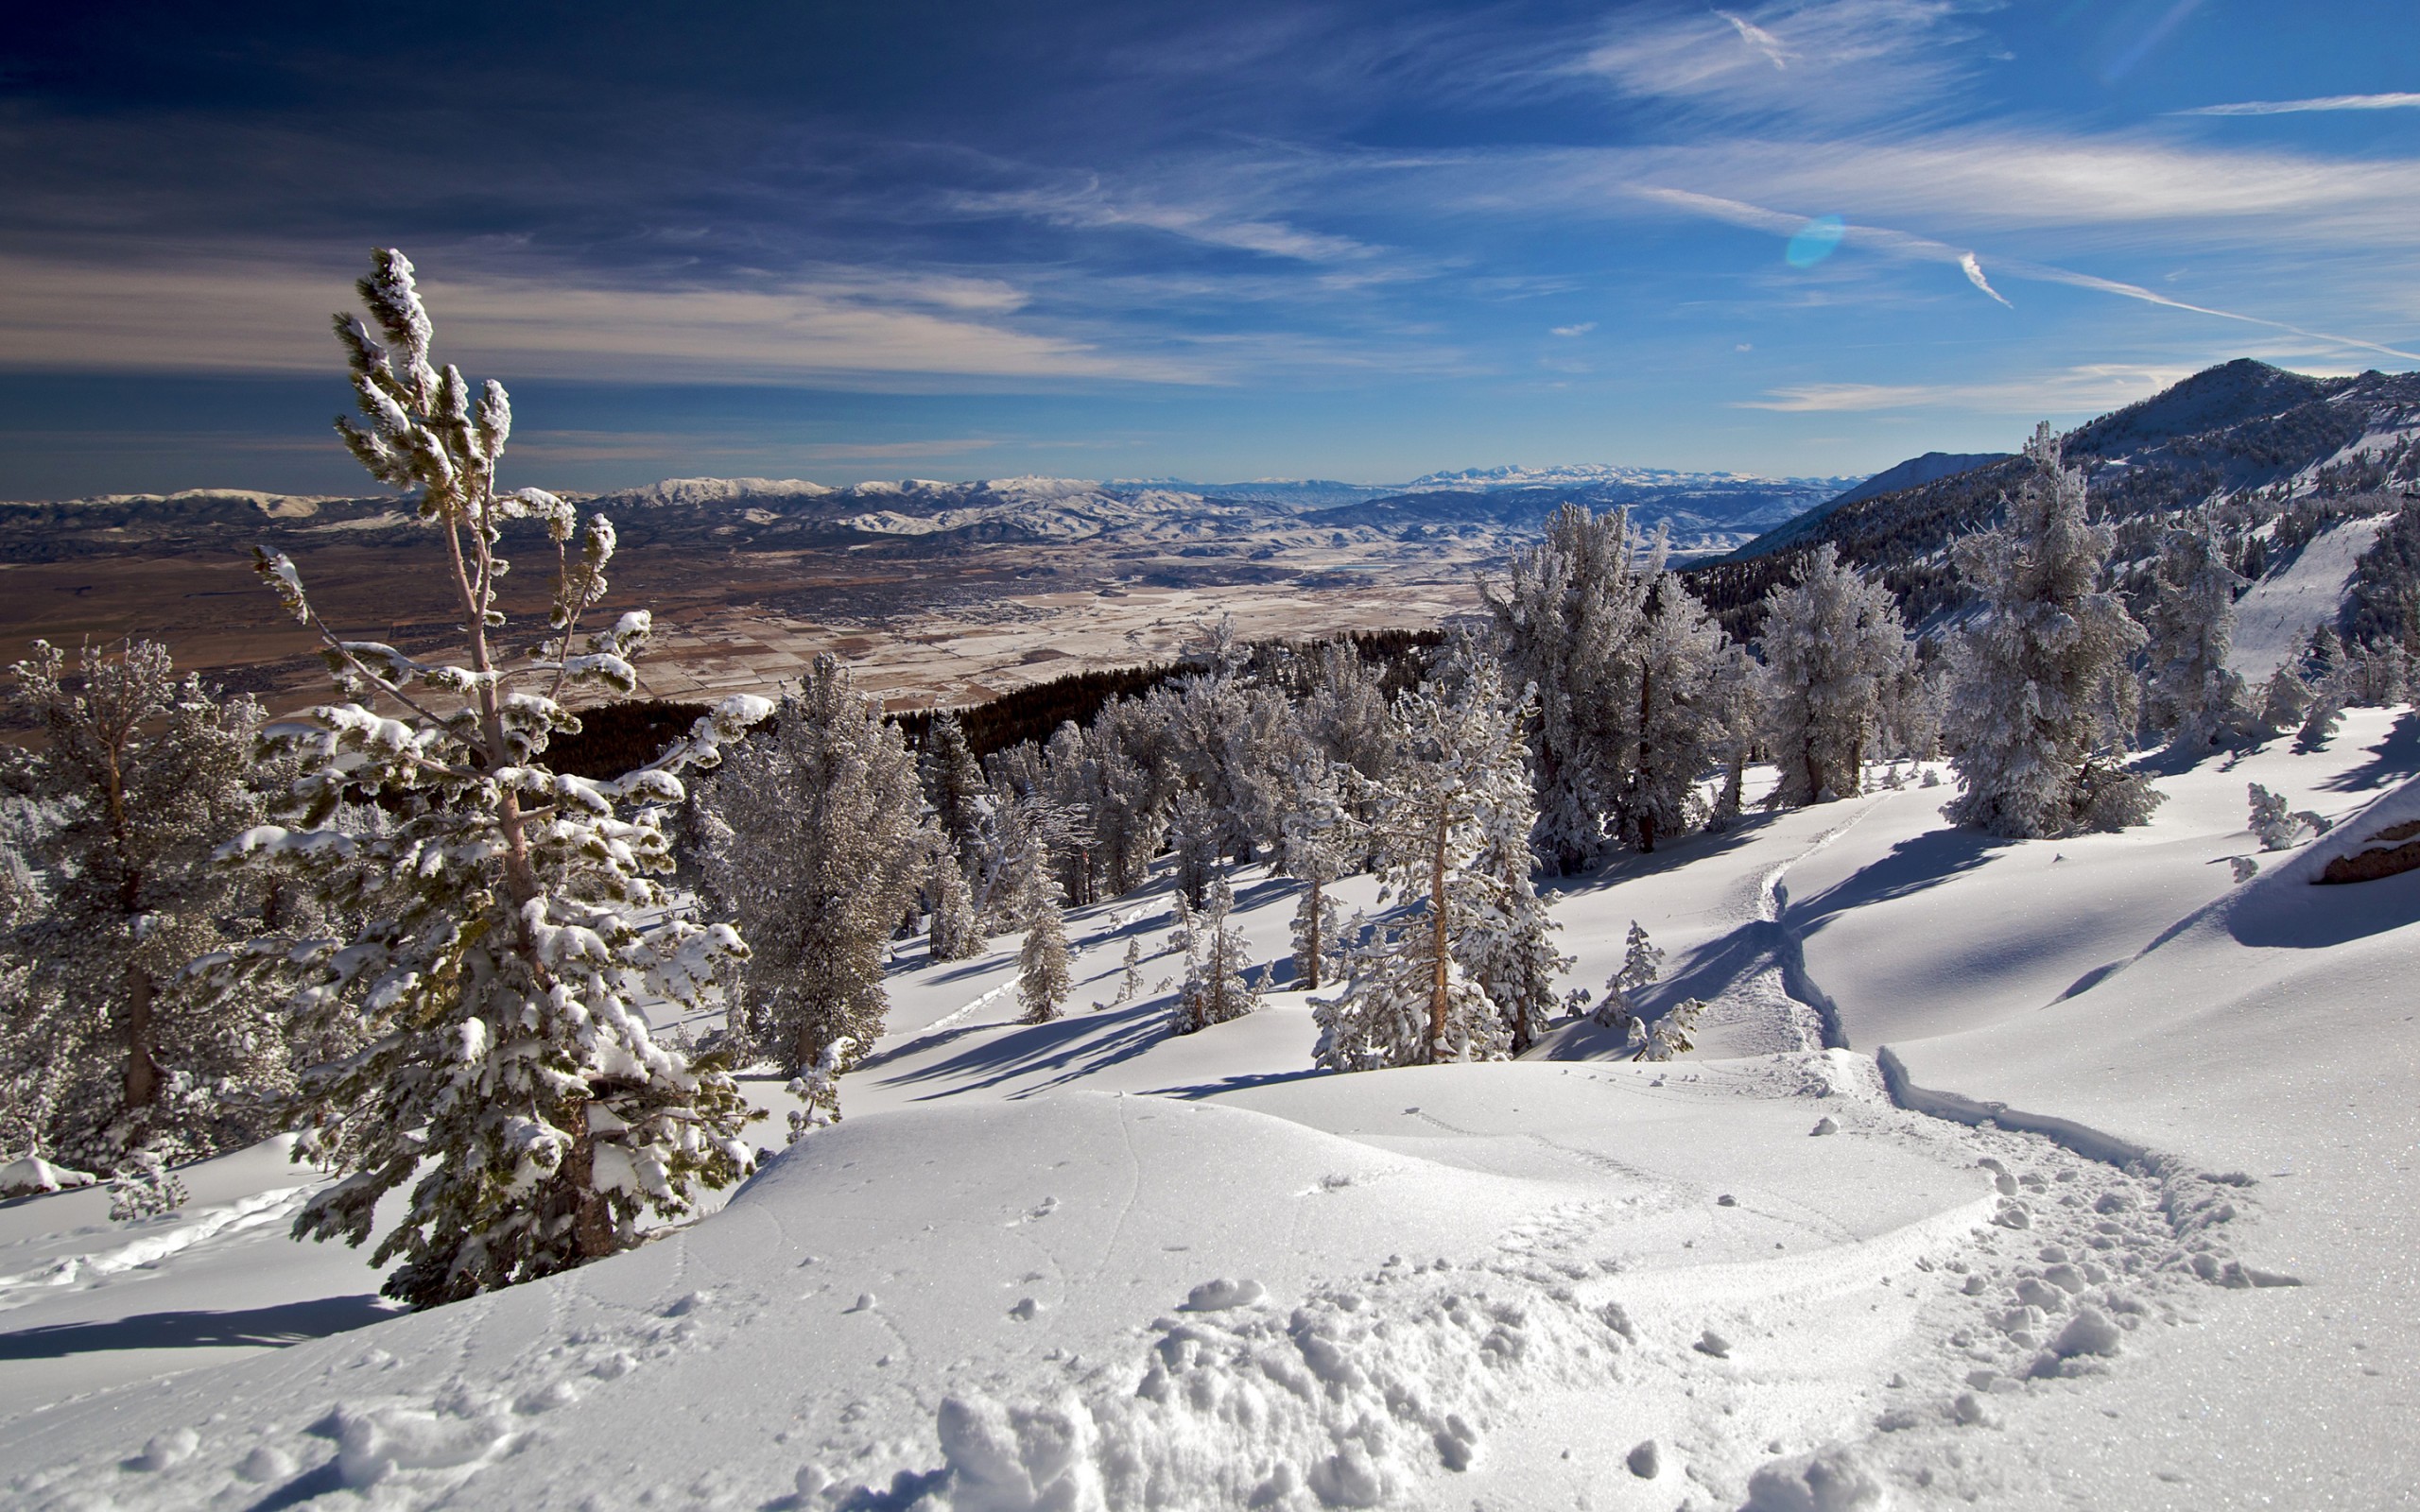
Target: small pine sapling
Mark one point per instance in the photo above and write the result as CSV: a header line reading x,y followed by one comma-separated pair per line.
x,y
1130,985
1669,1035
817,1090
1214,990
1640,967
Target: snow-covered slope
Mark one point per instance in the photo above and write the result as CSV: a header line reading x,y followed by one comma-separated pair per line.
x,y
1088,1264
2274,617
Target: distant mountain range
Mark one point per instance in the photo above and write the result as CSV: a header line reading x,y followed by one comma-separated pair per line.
x,y
1702,513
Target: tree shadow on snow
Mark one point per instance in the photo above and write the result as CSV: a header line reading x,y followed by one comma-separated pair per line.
x,y
1076,1045
2391,760
1630,866
276,1326
1919,862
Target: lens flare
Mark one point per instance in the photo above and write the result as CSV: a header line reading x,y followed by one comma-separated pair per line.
x,y
1815,241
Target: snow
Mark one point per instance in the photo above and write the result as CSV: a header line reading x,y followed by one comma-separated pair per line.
x,y
1087,1263
2274,618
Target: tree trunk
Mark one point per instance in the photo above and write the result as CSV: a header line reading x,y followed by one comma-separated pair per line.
x,y
1438,980
1311,961
592,1219
1646,758
142,1079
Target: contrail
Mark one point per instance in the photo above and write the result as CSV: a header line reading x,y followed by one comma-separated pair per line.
x,y
1974,271
1904,244
2325,102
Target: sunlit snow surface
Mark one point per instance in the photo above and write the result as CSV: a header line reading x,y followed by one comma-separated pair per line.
x,y
1087,1264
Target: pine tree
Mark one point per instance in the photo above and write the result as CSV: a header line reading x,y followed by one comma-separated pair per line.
x,y
1570,606
819,848
1504,944
1214,991
1321,840
1130,985
509,1079
1045,975
2283,701
1677,731
2191,697
1835,654
2035,726
1669,1036
1411,998
952,784
145,775
1640,967
950,933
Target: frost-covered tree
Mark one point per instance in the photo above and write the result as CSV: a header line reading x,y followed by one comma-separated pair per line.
x,y
1570,607
509,1079
1344,714
143,774
1321,843
1834,656
1044,973
1506,945
2034,724
1214,990
1130,985
954,785
950,931
817,1090
1674,667
1640,967
1411,998
818,846
2276,829
1669,1036
2283,701
2191,696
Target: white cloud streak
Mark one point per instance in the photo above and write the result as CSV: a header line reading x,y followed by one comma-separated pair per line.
x,y
1973,268
263,317
2323,102
2091,388
1902,243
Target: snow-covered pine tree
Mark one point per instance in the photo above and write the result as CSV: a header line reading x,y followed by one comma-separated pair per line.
x,y
2191,696
510,1078
1045,973
950,931
1214,991
2275,829
1570,606
820,849
1130,985
1411,999
1344,713
1676,667
2034,729
2283,701
1640,967
1835,654
817,1090
1321,841
952,784
1669,1035
1194,826
145,774
1015,863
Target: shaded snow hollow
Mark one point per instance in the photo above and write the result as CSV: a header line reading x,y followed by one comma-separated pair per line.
x,y
1085,1264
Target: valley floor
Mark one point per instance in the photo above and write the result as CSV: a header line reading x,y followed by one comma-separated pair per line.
x,y
2006,1174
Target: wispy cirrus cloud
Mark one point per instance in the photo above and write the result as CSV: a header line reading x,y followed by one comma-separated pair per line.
x,y
2323,102
267,315
2088,389
1093,206
1907,244
1819,60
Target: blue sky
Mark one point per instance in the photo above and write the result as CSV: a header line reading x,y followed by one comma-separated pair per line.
x,y
1218,241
